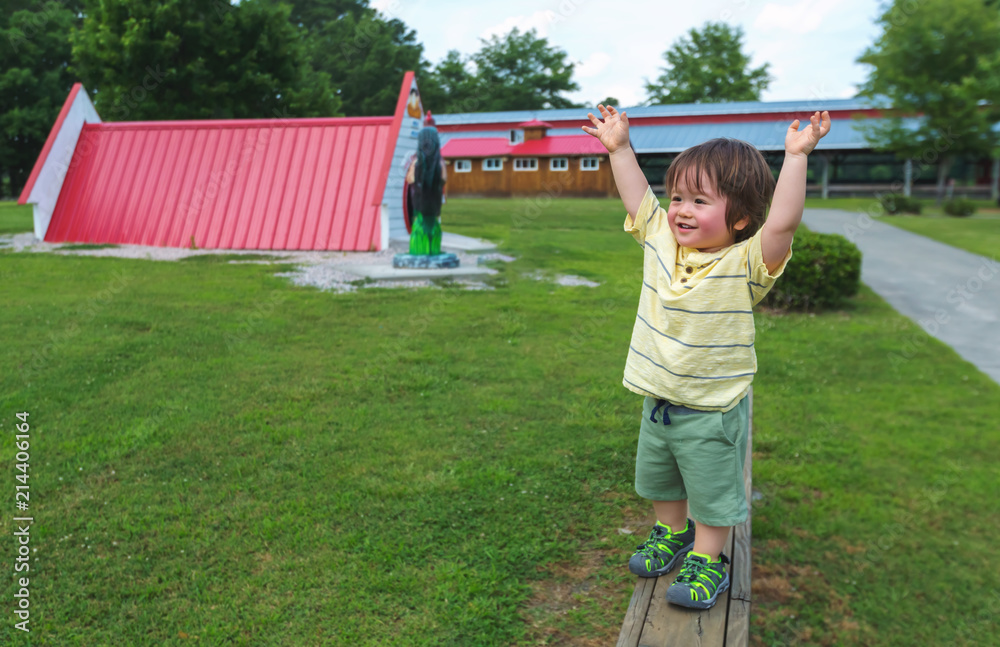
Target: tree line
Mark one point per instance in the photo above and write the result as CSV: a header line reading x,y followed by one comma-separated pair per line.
x,y
216,59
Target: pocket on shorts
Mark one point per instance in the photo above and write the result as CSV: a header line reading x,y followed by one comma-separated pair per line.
x,y
725,429
732,424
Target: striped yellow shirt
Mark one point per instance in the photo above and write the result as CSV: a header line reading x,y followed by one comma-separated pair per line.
x,y
692,343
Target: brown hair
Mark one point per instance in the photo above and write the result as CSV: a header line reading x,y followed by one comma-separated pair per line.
x,y
737,171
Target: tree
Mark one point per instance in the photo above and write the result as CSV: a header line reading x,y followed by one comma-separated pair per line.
x,y
451,87
34,81
365,53
189,59
939,60
708,66
518,71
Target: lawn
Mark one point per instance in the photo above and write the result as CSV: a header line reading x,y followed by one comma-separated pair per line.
x,y
219,457
978,233
15,218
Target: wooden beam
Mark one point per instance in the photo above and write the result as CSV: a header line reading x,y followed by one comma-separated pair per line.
x,y
738,624
636,614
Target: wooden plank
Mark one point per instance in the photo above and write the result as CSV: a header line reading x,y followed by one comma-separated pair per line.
x,y
738,625
636,614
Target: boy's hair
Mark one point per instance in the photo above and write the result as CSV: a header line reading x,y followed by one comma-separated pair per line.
x,y
737,171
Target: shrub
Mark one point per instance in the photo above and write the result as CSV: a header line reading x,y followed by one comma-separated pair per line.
x,y
894,203
824,271
960,207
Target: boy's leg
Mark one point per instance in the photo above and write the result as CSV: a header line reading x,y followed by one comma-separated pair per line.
x,y
710,540
712,465
658,479
672,513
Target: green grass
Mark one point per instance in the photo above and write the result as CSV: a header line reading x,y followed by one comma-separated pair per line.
x,y
15,218
848,204
979,233
220,457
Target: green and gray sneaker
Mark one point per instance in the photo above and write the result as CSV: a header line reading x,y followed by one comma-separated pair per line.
x,y
661,552
700,581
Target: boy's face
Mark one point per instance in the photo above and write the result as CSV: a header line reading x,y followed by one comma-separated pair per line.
x,y
698,219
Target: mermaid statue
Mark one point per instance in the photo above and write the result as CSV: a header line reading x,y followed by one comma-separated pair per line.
x,y
425,180
426,189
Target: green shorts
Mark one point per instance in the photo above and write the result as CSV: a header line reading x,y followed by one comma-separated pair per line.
x,y
695,455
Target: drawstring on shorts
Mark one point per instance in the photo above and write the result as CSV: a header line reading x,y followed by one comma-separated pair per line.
x,y
660,403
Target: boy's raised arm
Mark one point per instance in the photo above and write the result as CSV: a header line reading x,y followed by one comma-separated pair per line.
x,y
613,133
790,192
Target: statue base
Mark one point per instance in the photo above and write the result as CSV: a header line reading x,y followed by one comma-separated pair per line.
x,y
425,261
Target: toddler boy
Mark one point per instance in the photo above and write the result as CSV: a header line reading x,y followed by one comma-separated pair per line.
x,y
708,259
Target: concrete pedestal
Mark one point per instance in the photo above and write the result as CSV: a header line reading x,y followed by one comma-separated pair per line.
x,y
425,261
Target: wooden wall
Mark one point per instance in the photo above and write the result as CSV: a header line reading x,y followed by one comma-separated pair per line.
x,y
510,183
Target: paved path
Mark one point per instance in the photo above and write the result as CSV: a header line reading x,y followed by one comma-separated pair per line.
x,y
954,295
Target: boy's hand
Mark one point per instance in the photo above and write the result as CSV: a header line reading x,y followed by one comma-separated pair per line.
x,y
802,142
613,131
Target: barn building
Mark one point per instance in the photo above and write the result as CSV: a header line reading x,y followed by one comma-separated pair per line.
x,y
527,162
523,152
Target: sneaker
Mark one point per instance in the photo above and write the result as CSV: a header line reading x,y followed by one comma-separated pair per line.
x,y
700,581
661,552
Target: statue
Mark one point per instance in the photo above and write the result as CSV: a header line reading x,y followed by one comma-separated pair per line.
x,y
425,180
427,185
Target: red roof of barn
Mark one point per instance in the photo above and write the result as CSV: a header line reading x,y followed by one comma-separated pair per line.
x,y
544,147
535,123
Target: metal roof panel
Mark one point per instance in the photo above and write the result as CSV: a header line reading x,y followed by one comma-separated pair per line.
x,y
515,117
236,184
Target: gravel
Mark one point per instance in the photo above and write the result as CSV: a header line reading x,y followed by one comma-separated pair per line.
x,y
318,269
312,268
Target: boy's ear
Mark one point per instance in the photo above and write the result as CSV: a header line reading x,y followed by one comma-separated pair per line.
x,y
742,224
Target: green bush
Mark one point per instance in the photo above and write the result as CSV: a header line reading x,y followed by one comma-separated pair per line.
x,y
894,203
824,271
960,207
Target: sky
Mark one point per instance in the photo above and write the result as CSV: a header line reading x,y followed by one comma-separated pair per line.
x,y
618,46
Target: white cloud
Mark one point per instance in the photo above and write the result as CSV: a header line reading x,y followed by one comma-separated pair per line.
x,y
540,20
811,48
385,6
592,65
801,18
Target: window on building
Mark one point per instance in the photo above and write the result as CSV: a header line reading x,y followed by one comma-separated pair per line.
x,y
526,164
516,136
492,164
463,166
589,163
559,164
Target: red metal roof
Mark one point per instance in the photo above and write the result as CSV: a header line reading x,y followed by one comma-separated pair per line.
x,y
535,123
233,184
544,147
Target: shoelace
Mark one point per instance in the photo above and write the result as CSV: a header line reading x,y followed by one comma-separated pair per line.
x,y
649,545
691,571
650,549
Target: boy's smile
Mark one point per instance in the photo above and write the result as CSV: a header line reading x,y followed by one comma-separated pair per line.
x,y
698,219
